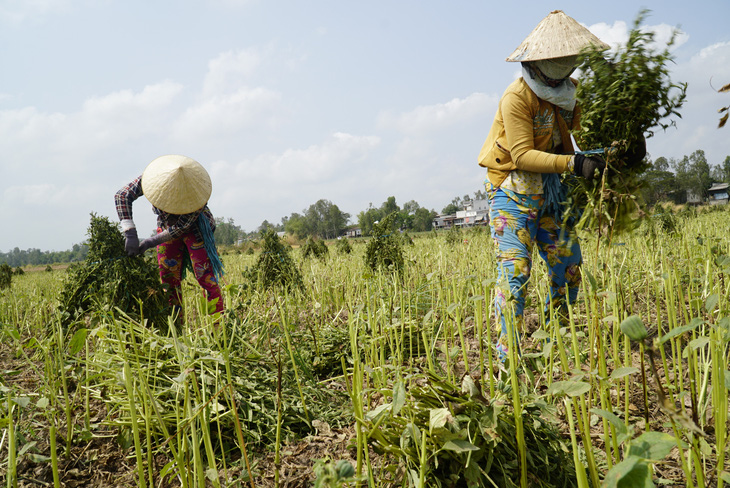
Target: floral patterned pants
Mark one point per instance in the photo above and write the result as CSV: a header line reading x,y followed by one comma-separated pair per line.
x,y
171,259
516,227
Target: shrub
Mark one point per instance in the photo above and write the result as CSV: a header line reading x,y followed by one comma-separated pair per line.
x,y
6,275
343,246
275,265
385,249
314,248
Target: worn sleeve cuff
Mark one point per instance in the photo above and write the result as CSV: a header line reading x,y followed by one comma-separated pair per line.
x,y
127,224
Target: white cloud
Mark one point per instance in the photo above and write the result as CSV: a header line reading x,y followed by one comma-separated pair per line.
x,y
271,186
230,70
224,115
617,34
430,118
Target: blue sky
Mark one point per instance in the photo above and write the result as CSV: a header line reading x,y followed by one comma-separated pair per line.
x,y
288,102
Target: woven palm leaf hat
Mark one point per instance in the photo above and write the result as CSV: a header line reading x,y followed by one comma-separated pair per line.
x,y
176,184
556,36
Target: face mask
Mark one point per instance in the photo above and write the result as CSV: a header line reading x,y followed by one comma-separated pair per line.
x,y
557,68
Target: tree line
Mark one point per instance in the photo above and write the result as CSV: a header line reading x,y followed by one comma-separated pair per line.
x,y
18,257
671,179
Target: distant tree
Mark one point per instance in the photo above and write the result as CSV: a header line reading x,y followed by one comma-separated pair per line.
x,y
450,209
693,173
226,233
410,207
423,220
296,225
721,172
367,219
325,219
659,182
457,203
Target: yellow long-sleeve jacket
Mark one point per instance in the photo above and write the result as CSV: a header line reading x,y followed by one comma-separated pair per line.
x,y
521,135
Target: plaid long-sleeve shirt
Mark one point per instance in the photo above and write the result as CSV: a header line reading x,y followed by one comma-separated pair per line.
x,y
176,224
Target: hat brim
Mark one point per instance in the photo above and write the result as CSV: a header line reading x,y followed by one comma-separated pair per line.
x,y
557,35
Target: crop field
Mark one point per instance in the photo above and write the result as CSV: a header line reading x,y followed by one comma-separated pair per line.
x,y
362,377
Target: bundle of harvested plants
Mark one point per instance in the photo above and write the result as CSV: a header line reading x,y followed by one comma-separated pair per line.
x,y
625,96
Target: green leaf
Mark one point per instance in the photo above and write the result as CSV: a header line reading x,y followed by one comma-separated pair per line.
x,y
623,371
399,397
699,342
611,417
681,330
591,280
634,328
711,302
632,472
570,388
654,446
375,413
77,341
459,445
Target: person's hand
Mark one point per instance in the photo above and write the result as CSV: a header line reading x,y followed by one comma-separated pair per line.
x,y
636,151
586,166
154,241
131,242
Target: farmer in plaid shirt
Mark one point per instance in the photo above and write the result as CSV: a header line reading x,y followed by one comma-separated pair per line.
x,y
178,188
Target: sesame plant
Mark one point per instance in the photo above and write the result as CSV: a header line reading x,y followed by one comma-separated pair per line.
x,y
625,95
110,281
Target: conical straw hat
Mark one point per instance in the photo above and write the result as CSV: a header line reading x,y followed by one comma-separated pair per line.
x,y
556,36
176,184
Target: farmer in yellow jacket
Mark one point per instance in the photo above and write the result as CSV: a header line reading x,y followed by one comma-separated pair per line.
x,y
526,151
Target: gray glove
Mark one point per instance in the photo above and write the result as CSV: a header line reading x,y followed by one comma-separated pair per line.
x,y
131,242
586,166
156,240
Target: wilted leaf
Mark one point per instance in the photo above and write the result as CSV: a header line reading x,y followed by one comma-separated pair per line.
x,y
438,417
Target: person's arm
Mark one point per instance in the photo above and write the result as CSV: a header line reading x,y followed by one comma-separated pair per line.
x,y
182,225
519,131
123,200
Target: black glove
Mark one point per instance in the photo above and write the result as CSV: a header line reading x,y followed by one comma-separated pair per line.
x,y
156,240
131,242
586,166
636,152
